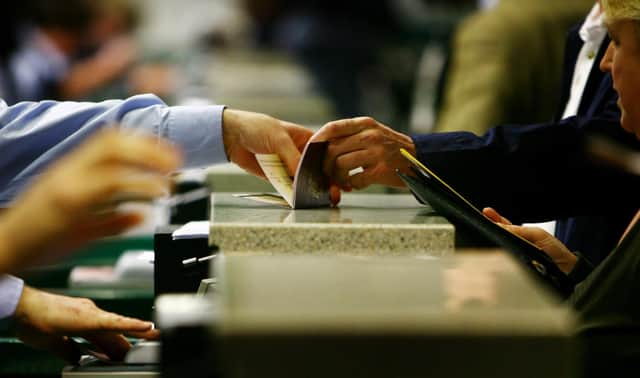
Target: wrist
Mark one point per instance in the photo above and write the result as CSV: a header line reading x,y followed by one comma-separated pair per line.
x,y
229,128
23,303
581,269
406,143
567,263
410,146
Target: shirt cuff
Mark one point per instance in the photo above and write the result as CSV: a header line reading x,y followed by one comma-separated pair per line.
x,y
10,292
198,131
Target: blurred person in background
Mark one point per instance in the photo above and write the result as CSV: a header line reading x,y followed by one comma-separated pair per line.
x,y
338,41
70,52
111,63
506,65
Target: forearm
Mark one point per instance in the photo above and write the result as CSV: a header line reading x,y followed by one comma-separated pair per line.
x,y
528,172
33,135
197,130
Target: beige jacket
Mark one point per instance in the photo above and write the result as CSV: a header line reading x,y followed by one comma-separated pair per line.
x,y
506,64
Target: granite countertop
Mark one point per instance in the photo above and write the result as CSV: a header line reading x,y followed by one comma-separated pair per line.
x,y
363,224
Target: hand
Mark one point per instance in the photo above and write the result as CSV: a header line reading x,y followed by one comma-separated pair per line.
x,y
47,321
246,134
74,201
561,256
364,142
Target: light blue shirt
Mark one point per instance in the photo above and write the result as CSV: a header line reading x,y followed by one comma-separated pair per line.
x,y
34,134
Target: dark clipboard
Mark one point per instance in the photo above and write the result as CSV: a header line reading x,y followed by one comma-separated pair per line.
x,y
429,188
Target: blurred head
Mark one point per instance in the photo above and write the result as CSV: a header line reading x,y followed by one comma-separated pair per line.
x,y
114,18
74,15
622,59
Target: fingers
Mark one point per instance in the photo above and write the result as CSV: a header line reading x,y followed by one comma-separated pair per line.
x,y
114,224
300,135
342,170
335,194
289,154
337,149
247,161
147,152
532,234
493,215
65,348
106,188
114,345
362,180
108,321
121,185
153,334
292,144
344,128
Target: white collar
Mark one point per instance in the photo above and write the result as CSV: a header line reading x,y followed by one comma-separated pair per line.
x,y
594,28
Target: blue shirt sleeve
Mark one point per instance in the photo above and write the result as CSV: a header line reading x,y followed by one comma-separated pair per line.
x,y
10,292
34,134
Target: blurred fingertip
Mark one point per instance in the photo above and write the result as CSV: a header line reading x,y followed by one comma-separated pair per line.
x,y
335,195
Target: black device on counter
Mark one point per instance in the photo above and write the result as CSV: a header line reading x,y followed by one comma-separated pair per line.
x,y
180,264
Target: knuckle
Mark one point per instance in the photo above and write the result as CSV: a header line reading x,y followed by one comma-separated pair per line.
x,y
376,170
342,162
66,198
371,137
358,184
368,121
332,151
86,302
332,128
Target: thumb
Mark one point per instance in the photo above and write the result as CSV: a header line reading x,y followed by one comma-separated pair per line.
x,y
494,216
289,155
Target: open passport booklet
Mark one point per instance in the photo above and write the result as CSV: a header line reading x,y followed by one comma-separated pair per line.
x,y
430,189
308,189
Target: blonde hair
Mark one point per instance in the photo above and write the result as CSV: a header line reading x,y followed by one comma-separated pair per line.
x,y
618,10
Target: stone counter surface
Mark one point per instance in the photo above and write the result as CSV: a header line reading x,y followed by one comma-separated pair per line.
x,y
478,315
363,224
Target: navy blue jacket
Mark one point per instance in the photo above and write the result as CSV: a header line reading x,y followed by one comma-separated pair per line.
x,y
542,172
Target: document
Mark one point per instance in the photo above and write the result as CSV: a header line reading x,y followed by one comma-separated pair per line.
x,y
308,189
431,189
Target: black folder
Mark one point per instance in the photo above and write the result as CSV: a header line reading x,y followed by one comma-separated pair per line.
x,y
430,189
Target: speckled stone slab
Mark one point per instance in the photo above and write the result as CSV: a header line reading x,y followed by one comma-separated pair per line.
x,y
363,224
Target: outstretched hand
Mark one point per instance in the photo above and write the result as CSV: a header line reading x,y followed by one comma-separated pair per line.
x,y
561,256
246,134
48,321
364,142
